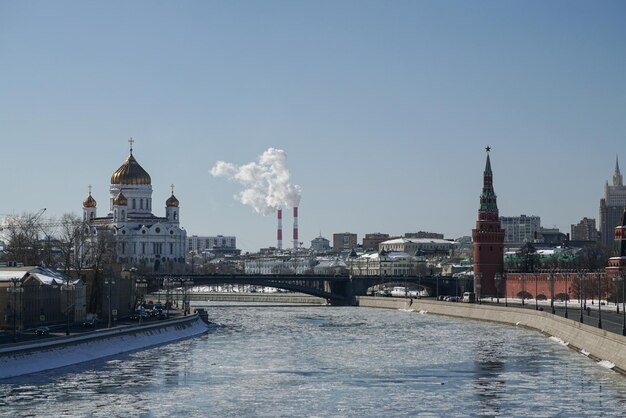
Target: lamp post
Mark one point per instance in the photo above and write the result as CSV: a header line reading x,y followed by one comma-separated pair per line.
x,y
15,289
477,284
566,294
498,280
506,289
167,283
522,279
188,284
551,278
67,287
620,278
599,276
581,279
109,282
536,291
141,285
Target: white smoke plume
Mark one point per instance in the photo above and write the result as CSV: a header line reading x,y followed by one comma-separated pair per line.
x,y
266,182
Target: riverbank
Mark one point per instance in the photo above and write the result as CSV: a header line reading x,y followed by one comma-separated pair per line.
x,y
30,357
598,344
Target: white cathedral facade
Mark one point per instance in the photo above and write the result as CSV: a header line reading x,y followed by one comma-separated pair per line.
x,y
141,239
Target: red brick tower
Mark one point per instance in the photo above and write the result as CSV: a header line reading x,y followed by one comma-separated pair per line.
x,y
617,264
488,238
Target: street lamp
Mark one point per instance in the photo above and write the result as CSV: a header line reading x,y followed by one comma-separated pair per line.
x,y
551,278
522,279
187,285
477,284
536,291
506,289
621,278
498,280
109,282
581,278
566,294
67,287
141,285
599,276
167,283
16,288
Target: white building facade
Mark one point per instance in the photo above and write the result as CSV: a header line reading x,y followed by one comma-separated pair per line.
x,y
415,245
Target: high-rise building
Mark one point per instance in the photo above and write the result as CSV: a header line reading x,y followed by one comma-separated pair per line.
x,y
520,229
612,206
488,239
344,241
585,230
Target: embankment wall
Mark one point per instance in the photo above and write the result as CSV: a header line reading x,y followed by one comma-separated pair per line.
x,y
597,343
52,353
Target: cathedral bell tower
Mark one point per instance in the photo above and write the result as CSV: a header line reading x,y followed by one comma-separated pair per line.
x,y
488,238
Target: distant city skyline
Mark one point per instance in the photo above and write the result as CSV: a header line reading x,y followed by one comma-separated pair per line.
x,y
382,109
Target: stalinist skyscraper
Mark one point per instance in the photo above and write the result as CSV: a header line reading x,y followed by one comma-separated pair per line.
x,y
612,206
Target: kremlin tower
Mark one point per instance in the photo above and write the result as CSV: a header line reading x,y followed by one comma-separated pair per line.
x,y
488,238
617,264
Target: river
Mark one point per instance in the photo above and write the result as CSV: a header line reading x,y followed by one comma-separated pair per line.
x,y
331,361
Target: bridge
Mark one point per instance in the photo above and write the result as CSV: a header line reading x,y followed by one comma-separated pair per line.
x,y
336,289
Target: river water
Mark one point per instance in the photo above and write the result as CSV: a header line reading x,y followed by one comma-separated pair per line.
x,y
325,361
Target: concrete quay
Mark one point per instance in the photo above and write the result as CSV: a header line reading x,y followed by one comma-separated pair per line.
x,y
598,344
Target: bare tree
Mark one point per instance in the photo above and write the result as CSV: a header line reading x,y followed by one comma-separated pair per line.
x,y
24,239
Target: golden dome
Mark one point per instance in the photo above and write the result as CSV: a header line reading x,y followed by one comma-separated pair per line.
x,y
120,200
89,202
130,173
172,202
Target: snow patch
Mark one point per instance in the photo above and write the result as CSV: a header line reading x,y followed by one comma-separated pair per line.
x,y
607,364
584,352
560,341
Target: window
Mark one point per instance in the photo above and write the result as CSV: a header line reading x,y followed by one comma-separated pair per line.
x,y
140,203
134,203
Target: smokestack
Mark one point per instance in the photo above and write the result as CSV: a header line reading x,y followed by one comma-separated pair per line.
x,y
279,232
295,227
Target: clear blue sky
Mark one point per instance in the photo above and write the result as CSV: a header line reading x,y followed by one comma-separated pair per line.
x,y
383,107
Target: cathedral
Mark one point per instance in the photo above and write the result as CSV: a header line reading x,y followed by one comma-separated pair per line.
x,y
142,239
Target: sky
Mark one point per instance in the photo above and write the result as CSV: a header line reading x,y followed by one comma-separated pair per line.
x,y
382,108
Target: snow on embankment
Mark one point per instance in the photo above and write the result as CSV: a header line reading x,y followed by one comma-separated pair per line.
x,y
59,352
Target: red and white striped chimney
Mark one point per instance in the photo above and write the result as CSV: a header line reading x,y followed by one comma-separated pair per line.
x,y
279,232
295,227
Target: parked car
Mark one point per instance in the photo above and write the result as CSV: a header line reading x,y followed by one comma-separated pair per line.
x,y
42,331
91,323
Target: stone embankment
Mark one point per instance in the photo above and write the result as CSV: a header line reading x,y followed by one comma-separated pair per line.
x,y
294,298
51,353
598,344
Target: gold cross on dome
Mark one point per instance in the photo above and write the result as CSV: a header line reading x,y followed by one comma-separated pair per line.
x,y
172,186
90,189
131,141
